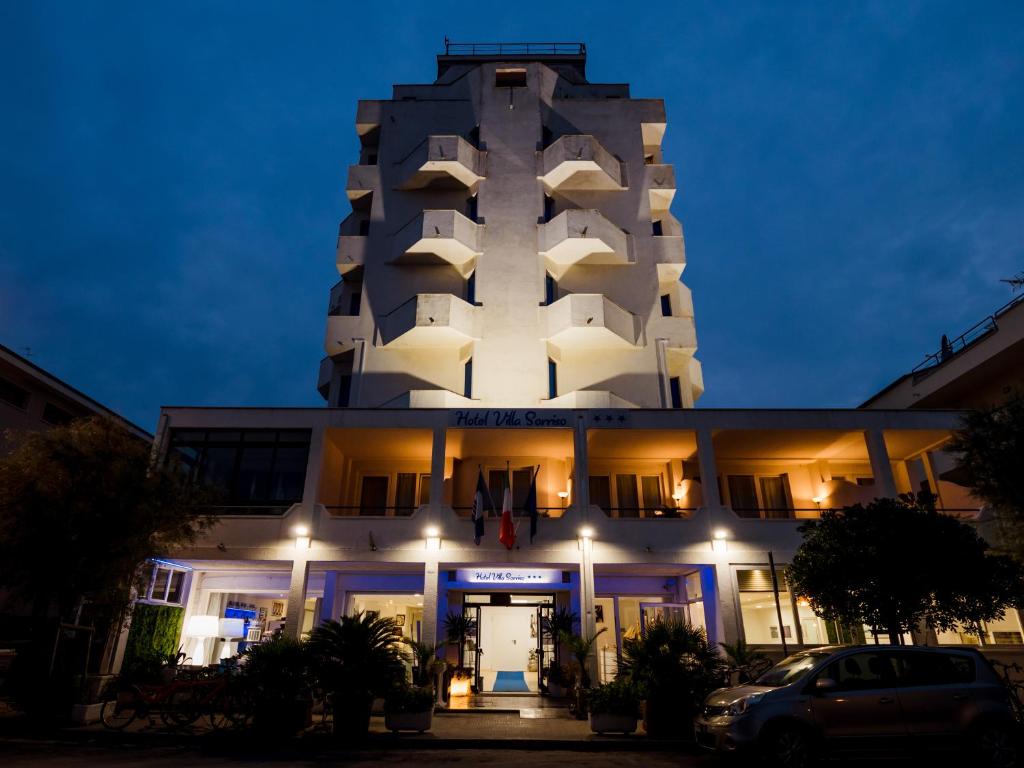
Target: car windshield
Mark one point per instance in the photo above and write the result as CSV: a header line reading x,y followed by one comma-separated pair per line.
x,y
790,669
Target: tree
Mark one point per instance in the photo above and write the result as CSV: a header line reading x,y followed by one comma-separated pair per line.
x,y
990,448
81,508
898,562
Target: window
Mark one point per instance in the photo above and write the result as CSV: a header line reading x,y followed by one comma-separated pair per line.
x,y
775,498
547,137
656,228
552,379
467,378
651,487
354,302
497,481
676,391
166,585
919,668
471,288
364,227
405,493
13,394
743,495
666,305
424,497
866,671
344,390
373,498
758,611
1004,631
251,468
510,78
625,489
549,208
601,491
54,415
550,290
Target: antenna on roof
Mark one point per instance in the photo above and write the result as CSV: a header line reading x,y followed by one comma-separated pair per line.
x,y
1016,282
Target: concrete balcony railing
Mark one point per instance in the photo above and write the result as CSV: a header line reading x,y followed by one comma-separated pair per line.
x,y
368,115
430,320
429,398
680,298
439,237
670,257
590,321
442,161
661,187
583,236
341,330
351,253
679,333
362,180
580,162
323,378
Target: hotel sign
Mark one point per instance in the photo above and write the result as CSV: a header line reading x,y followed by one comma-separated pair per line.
x,y
509,417
516,576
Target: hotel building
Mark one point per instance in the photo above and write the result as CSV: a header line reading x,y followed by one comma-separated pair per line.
x,y
511,302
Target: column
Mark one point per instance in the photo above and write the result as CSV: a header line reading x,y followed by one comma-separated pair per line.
x,y
580,471
881,468
587,624
708,470
720,603
329,606
437,464
431,619
297,595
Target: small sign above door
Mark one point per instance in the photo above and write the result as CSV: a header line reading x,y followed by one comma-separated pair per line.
x,y
509,575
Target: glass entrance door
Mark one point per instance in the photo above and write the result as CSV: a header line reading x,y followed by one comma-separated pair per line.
x,y
545,642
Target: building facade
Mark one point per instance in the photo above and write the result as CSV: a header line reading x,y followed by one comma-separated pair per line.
x,y
511,308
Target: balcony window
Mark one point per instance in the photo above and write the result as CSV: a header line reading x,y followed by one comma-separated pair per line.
x,y
676,391
601,491
251,468
166,585
55,415
628,499
552,379
550,289
405,493
656,229
666,305
467,379
373,498
12,394
773,502
510,78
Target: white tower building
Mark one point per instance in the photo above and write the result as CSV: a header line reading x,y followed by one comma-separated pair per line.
x,y
511,244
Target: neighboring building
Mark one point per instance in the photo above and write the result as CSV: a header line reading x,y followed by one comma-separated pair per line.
x,y
32,399
981,367
509,341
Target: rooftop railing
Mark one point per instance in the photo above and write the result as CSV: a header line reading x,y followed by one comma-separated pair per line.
x,y
451,48
951,347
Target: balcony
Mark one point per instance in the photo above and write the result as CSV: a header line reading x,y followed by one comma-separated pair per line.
x,y
362,180
323,378
442,162
430,398
439,238
590,321
579,162
430,320
680,298
351,253
341,330
588,398
678,332
661,187
583,236
368,116
670,257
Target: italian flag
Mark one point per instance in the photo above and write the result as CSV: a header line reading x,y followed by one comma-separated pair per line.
x,y
507,531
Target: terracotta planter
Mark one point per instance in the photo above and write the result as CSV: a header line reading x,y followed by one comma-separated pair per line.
x,y
605,722
409,721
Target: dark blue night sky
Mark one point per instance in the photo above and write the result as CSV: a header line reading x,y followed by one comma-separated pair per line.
x,y
172,176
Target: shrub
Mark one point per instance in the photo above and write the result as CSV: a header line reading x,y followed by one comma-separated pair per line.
x,y
409,698
618,697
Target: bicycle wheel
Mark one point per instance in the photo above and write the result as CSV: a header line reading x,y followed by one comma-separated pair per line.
x,y
229,710
119,712
182,707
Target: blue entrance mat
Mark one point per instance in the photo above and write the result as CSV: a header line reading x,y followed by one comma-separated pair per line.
x,y
510,682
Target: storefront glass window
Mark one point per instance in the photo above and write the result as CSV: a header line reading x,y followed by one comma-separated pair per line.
x,y
406,610
607,648
1005,631
758,609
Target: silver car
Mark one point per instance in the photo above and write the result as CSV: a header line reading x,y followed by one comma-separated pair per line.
x,y
867,700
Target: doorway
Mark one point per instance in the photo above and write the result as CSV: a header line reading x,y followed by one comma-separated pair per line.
x,y
507,649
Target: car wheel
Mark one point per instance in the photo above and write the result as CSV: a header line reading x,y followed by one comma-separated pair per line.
x,y
997,745
788,747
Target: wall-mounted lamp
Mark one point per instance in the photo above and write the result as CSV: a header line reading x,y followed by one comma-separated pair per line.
x,y
433,536
586,532
301,536
720,540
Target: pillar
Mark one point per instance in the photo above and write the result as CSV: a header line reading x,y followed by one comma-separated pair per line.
x,y
716,582
881,468
431,617
437,464
708,469
580,470
297,595
587,624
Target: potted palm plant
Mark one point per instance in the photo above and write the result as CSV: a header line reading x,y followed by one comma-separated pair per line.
x,y
409,708
580,648
277,682
458,626
357,659
674,668
558,679
614,707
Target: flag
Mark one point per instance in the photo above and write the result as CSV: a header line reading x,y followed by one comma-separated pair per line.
x,y
482,502
531,505
507,533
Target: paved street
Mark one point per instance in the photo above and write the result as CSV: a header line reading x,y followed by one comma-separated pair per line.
x,y
26,755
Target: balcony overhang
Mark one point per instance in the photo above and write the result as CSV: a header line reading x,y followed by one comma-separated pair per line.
x,y
439,238
661,188
583,236
362,180
430,398
341,333
351,253
590,321
679,333
579,162
442,162
430,320
670,257
586,398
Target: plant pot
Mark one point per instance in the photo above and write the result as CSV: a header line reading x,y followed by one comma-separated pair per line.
x,y
283,718
606,722
85,714
409,721
352,716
